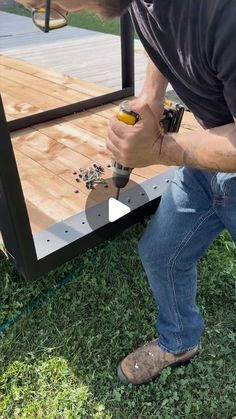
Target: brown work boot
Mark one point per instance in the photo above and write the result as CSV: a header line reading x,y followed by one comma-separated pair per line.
x,y
147,362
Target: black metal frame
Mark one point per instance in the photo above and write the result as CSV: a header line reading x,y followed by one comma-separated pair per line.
x,y
36,254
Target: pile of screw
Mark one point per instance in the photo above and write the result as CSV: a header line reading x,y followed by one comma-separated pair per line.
x,y
92,176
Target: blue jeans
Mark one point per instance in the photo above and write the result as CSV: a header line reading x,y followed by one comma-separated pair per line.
x,y
196,206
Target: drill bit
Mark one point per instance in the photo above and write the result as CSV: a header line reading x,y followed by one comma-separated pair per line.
x,y
118,194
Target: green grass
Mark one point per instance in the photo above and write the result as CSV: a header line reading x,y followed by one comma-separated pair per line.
x,y
84,20
60,361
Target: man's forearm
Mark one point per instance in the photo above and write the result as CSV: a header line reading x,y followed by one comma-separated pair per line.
x,y
155,83
213,149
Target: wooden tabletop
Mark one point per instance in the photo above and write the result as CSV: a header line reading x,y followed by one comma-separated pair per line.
x,y
48,155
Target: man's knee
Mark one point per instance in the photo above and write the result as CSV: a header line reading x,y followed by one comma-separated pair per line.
x,y
166,251
152,248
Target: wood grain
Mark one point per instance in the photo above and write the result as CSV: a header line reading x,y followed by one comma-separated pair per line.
x,y
48,155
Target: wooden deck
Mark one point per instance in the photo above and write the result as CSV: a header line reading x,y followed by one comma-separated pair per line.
x,y
49,154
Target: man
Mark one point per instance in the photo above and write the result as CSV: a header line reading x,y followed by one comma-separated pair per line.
x,y
191,44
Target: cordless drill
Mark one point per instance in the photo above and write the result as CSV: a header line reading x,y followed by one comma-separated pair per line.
x,y
172,118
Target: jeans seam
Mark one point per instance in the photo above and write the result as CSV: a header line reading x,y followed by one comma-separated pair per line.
x,y
171,264
174,352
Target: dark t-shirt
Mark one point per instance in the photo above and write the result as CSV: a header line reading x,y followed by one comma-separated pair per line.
x,y
193,44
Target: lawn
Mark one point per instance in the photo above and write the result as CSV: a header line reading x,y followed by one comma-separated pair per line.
x,y
60,360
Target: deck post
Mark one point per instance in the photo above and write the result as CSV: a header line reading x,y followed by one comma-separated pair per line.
x,y
127,52
14,221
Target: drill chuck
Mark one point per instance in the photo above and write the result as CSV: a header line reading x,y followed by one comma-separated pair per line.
x,y
121,175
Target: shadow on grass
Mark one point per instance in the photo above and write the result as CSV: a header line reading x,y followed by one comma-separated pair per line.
x,y
61,359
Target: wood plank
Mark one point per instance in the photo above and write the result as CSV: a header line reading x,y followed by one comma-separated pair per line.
x,y
61,160
107,111
48,182
99,124
17,109
93,123
27,95
54,197
39,86
84,142
38,219
70,82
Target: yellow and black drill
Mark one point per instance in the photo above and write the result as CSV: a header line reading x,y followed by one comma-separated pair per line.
x,y
172,118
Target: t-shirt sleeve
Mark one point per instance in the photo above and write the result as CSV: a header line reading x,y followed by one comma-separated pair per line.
x,y
225,56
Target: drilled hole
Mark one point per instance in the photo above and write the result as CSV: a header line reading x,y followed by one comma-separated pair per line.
x,y
83,222
106,186
155,187
66,231
76,191
128,200
48,240
142,193
75,173
99,215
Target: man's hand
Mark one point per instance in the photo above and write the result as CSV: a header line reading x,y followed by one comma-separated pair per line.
x,y
157,107
138,145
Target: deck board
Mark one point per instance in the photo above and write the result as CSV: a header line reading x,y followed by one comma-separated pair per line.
x,y
33,88
49,154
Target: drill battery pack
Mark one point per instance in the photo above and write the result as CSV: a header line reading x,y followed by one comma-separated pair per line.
x,y
173,115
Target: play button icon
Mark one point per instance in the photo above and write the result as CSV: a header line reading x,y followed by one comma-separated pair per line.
x,y
102,209
117,210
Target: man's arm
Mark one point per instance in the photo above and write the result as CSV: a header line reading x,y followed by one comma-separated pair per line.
x,y
155,83
153,92
213,149
142,145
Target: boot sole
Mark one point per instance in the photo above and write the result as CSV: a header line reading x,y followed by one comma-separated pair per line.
x,y
126,381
